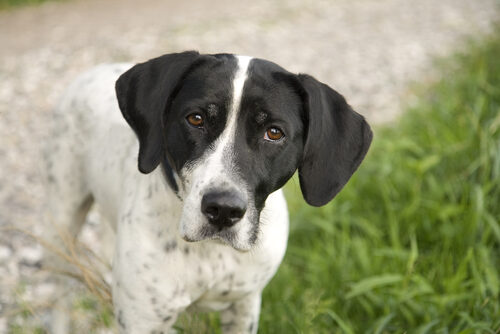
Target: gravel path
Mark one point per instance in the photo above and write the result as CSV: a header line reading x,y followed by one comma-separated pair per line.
x,y
368,50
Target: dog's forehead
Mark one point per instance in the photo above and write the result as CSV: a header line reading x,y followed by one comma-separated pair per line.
x,y
209,79
264,68
212,77
270,89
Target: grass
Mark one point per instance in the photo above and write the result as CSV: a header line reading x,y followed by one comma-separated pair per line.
x,y
6,4
412,244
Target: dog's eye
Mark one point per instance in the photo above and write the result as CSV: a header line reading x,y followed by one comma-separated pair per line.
x,y
273,134
195,120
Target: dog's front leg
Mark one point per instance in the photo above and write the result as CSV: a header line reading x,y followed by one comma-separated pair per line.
x,y
242,316
146,299
139,307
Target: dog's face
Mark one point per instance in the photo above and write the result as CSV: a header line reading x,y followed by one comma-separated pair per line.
x,y
230,130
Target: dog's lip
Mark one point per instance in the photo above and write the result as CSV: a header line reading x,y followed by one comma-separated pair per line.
x,y
188,239
216,237
222,241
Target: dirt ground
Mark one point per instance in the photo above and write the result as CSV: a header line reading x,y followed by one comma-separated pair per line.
x,y
370,51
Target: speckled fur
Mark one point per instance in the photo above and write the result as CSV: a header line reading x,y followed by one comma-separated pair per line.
x,y
156,274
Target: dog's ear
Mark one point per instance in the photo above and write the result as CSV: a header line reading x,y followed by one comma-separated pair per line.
x,y
336,143
143,94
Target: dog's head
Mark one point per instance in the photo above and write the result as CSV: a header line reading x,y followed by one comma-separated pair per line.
x,y
230,130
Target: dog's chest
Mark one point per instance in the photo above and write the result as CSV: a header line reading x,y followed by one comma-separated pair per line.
x,y
158,270
199,276
227,277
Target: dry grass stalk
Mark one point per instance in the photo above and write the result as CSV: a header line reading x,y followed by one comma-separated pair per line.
x,y
79,257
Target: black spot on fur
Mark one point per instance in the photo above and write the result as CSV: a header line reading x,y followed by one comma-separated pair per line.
x,y
170,246
227,326
120,320
158,313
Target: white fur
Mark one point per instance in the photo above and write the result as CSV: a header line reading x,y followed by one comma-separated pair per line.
x,y
156,273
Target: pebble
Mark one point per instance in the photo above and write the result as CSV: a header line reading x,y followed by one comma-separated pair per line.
x,y
5,253
30,256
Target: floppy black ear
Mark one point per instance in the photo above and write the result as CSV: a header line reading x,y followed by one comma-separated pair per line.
x,y
336,143
143,93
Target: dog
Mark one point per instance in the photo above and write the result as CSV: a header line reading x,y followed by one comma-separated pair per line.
x,y
199,219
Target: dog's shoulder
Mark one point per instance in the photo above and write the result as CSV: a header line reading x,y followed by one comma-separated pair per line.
x,y
94,88
89,104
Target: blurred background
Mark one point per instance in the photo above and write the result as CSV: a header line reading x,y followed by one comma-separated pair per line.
x,y
413,245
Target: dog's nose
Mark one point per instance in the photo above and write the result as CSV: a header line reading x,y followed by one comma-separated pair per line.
x,y
223,208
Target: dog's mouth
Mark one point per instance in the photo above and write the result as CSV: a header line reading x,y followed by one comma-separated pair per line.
x,y
225,236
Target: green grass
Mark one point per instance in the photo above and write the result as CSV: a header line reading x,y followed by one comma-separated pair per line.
x,y
5,4
412,244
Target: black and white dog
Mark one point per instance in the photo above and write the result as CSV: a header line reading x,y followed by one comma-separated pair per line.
x,y
205,225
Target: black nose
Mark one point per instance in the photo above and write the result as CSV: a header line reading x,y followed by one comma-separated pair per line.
x,y
223,208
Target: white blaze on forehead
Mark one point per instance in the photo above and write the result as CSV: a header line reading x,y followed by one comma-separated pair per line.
x,y
211,164
223,144
238,83
212,168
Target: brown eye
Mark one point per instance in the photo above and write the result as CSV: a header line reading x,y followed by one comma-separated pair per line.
x,y
195,120
273,134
